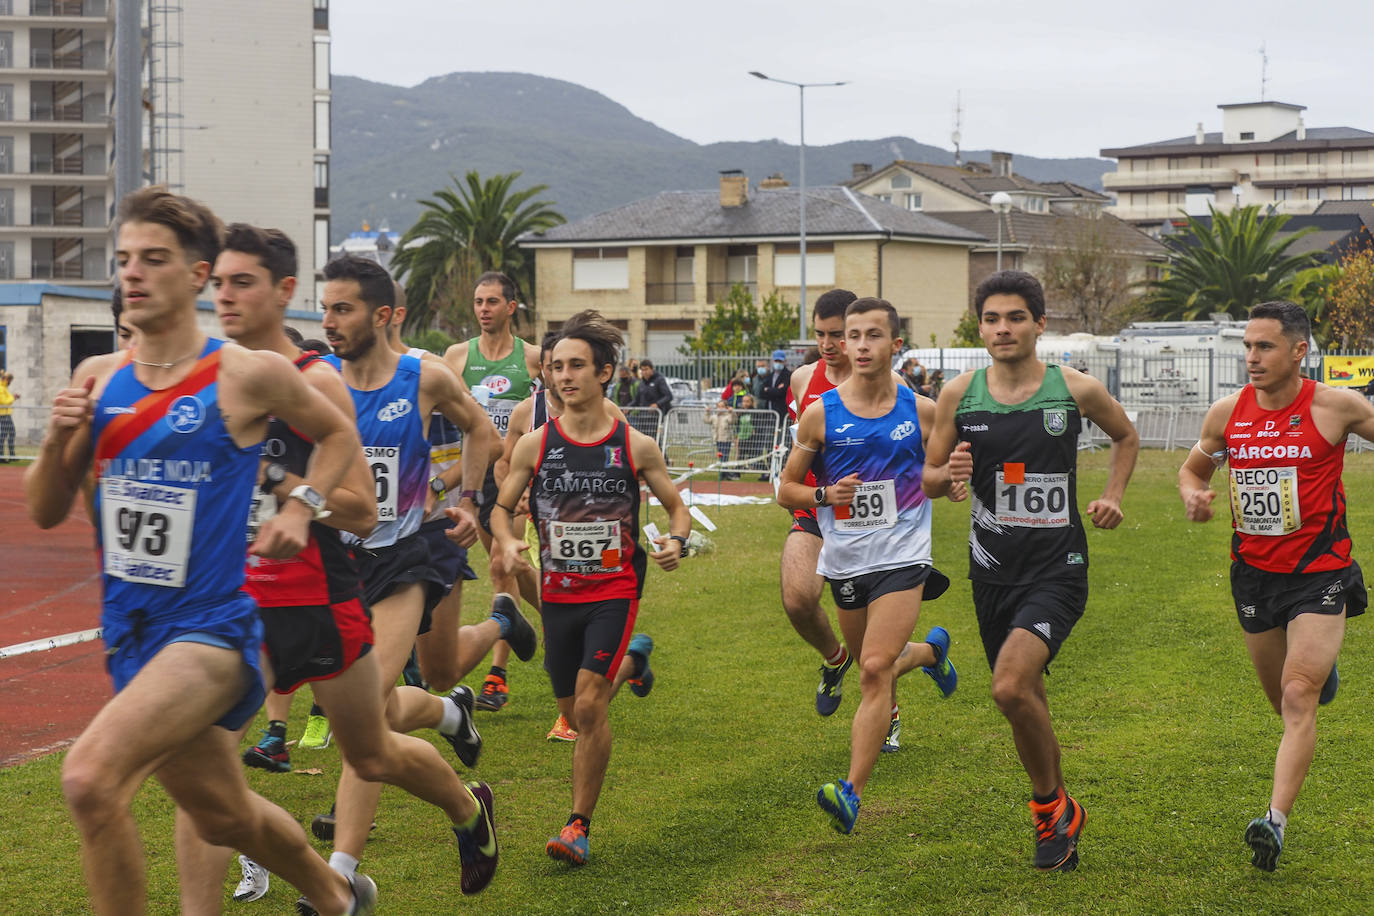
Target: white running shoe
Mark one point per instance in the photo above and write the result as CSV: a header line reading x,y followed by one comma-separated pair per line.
x,y
254,883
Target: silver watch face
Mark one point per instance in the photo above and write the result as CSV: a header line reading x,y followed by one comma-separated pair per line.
x,y
437,485
311,497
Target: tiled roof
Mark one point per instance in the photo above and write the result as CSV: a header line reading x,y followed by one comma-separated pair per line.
x,y
830,211
1317,136
1063,189
1051,230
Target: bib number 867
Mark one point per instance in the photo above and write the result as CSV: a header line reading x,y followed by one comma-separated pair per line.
x,y
582,548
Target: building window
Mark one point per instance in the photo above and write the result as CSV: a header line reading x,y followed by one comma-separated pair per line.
x,y
1316,192
1211,162
322,63
1354,156
1316,158
321,242
1283,193
601,268
1247,135
885,198
1177,162
820,264
6,268
321,124
1283,159
901,181
1177,198
913,200
1355,192
321,181
321,14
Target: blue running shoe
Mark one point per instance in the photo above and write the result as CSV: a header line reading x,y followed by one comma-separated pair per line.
x,y
942,672
269,754
642,645
830,692
1333,683
1266,840
838,800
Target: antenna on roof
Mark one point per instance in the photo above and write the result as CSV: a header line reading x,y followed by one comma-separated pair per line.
x,y
958,123
1264,71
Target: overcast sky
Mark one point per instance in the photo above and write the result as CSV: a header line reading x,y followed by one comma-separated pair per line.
x,y
1051,78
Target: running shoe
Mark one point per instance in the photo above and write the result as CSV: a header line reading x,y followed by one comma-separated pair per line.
x,y
942,672
561,731
1266,841
518,632
642,645
477,847
466,743
317,734
253,885
323,826
364,898
570,845
1057,826
269,754
838,800
893,742
1333,683
494,695
828,694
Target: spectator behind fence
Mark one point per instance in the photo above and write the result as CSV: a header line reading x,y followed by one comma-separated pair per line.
x,y
653,389
776,385
759,380
911,372
7,399
937,381
623,389
746,448
722,419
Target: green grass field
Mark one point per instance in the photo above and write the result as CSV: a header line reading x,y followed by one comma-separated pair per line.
x,y
709,806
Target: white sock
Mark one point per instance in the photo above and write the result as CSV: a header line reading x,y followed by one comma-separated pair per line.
x,y
343,863
1278,819
448,725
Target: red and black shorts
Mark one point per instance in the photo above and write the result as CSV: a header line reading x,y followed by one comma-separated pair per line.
x,y
593,636
314,643
805,520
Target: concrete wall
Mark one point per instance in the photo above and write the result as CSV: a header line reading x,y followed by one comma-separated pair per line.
x,y
928,285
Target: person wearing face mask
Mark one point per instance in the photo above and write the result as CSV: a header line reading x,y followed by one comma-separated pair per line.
x,y
759,378
775,385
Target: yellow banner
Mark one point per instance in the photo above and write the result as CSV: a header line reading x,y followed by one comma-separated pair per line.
x,y
1348,371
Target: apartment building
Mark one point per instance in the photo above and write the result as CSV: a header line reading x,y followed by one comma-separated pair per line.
x,y
1264,154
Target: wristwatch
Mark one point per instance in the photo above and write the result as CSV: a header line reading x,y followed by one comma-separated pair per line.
x,y
272,475
472,495
436,484
682,541
312,499
820,496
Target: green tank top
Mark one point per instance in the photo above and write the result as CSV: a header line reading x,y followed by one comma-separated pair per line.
x,y
508,380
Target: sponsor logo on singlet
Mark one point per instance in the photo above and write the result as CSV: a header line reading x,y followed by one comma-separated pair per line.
x,y
1056,420
186,414
395,410
902,431
498,384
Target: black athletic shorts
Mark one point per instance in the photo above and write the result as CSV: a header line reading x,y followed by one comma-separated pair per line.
x,y
448,559
484,505
1265,600
314,643
859,591
1048,608
593,636
384,569
805,520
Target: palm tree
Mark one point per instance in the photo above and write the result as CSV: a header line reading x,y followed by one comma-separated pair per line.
x,y
1229,266
468,228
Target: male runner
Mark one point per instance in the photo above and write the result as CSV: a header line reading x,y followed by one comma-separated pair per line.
x,y
801,584
394,396
865,440
1011,430
1292,576
585,468
174,427
499,361
315,627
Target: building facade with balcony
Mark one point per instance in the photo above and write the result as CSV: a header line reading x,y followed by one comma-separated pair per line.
x,y
656,267
1264,154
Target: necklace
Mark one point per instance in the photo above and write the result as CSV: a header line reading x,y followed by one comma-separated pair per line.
x,y
152,365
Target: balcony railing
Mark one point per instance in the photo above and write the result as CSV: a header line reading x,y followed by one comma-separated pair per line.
x,y
40,111
47,216
47,270
668,293
715,292
45,59
46,165
1154,178
67,7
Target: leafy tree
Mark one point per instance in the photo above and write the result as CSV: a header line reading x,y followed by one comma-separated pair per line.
x,y
1088,278
739,326
1228,266
433,340
966,332
467,229
1349,297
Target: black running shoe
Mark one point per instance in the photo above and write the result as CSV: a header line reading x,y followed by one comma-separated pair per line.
x,y
477,848
1265,841
521,636
466,743
1057,826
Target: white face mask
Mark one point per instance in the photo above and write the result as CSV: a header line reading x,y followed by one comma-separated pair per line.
x,y
777,365
763,370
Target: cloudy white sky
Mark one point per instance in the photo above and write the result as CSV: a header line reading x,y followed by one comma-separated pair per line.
x,y
1051,78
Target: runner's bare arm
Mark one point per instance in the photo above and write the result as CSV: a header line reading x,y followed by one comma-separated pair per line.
x,y
1354,412
946,462
457,357
1097,404
506,549
653,470
52,482
800,379
1208,454
793,493
451,398
925,413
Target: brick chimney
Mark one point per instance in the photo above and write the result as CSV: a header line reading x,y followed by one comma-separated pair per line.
x,y
1001,164
734,188
861,169
773,181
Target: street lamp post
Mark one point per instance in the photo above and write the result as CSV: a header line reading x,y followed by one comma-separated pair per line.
x,y
801,97
1001,204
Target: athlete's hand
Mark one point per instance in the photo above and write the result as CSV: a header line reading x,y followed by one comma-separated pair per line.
x,y
522,506
958,491
430,499
841,492
1105,513
464,530
668,554
1198,505
72,409
961,463
284,534
507,558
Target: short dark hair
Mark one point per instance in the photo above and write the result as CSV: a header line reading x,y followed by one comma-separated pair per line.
x,y
646,362
831,304
603,337
871,304
1292,318
374,283
495,276
1011,283
117,304
272,247
551,337
198,231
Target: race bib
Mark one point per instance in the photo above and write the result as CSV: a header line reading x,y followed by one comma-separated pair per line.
x,y
385,462
1264,501
500,410
874,506
146,530
1033,500
586,544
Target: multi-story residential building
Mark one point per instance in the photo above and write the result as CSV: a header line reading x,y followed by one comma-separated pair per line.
x,y
1264,154
656,267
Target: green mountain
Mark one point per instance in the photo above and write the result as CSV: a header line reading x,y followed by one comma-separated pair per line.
x,y
393,146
